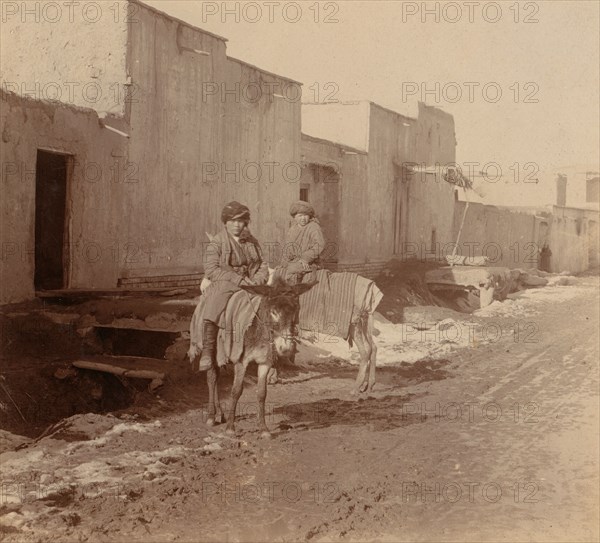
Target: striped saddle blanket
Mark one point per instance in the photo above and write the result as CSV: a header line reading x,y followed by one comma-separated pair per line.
x,y
238,316
337,301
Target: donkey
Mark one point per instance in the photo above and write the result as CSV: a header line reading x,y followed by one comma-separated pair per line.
x,y
361,326
272,334
361,333
360,330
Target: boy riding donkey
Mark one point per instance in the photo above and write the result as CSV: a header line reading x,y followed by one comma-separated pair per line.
x,y
249,321
304,243
234,259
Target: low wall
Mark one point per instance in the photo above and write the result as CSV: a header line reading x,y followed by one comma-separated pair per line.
x,y
573,239
507,238
514,238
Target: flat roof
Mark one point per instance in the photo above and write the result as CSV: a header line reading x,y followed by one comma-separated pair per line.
x,y
263,71
180,21
335,144
370,102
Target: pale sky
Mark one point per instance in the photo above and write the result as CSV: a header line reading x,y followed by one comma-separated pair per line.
x,y
377,48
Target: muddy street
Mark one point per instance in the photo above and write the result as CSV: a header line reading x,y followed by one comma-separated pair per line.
x,y
496,441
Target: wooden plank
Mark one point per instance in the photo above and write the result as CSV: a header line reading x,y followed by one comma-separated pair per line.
x,y
90,293
116,370
154,278
182,325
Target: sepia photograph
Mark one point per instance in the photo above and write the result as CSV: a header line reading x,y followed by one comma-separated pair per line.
x,y
299,271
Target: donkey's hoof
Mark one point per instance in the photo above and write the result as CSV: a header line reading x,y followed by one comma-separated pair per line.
x,y
363,387
219,418
210,422
230,431
265,434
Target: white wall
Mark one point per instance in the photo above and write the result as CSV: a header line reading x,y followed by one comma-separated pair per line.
x,y
76,54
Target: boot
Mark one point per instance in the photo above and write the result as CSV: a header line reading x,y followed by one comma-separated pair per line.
x,y
210,332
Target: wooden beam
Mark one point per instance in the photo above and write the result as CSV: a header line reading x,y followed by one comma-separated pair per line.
x,y
156,378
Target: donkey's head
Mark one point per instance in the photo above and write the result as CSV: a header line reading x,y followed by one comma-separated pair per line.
x,y
279,312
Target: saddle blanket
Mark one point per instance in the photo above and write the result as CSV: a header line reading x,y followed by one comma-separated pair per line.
x,y
337,302
238,316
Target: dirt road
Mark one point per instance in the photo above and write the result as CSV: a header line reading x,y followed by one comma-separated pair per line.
x,y
497,442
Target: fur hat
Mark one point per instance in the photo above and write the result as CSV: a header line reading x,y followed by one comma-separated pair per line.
x,y
302,207
235,210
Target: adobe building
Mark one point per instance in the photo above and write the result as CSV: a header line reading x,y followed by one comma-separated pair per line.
x,y
142,128
119,155
554,238
382,176
592,189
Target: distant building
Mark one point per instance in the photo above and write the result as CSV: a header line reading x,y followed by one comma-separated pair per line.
x,y
385,196
561,190
592,190
554,237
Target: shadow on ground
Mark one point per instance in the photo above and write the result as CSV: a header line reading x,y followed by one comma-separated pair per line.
x,y
397,376
379,413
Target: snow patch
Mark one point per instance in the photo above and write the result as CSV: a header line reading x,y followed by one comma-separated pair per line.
x,y
121,428
397,343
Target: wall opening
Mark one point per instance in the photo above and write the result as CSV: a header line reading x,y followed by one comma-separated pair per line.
x,y
51,239
131,342
593,247
545,253
304,193
320,185
400,211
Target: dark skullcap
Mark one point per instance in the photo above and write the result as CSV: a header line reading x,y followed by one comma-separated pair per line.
x,y
235,210
302,207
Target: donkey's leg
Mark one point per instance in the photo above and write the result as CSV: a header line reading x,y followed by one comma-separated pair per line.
x,y
236,392
261,393
365,352
219,418
373,358
211,381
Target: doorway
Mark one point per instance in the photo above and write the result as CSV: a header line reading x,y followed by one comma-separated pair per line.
x,y
320,185
593,248
400,210
544,252
51,259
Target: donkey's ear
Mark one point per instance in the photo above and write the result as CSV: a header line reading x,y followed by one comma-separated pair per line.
x,y
261,290
301,288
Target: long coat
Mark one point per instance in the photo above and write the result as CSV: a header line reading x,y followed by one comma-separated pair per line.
x,y
302,250
226,264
